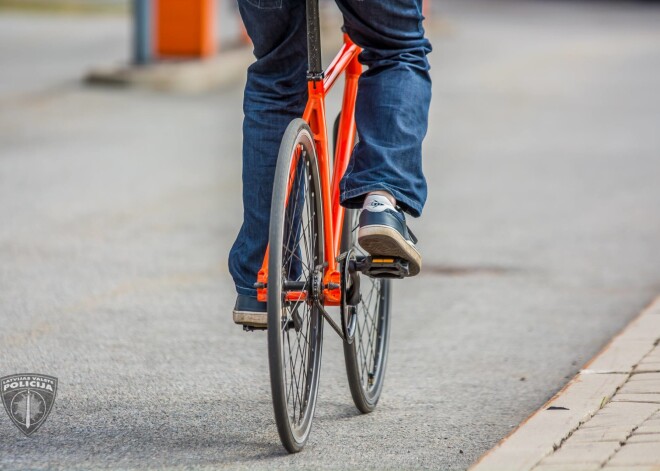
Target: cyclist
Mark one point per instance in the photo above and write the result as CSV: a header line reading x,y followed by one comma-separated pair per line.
x,y
384,176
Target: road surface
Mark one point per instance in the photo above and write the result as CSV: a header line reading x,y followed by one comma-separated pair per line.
x,y
118,207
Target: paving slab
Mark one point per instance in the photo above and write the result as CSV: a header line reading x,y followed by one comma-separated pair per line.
x,y
647,366
568,467
648,427
631,347
622,355
596,453
646,327
640,397
633,387
655,353
647,376
635,454
615,414
644,438
637,468
617,433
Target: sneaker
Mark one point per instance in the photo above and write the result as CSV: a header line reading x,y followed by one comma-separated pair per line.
x,y
250,312
383,232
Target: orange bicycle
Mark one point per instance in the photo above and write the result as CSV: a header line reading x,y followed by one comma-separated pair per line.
x,y
314,264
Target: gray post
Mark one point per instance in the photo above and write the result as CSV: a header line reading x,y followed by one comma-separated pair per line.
x,y
142,31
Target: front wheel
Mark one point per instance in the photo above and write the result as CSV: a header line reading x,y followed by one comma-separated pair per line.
x,y
295,263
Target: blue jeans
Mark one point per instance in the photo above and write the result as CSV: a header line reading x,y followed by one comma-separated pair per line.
x,y
394,93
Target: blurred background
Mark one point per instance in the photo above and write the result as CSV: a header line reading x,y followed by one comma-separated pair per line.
x,y
120,165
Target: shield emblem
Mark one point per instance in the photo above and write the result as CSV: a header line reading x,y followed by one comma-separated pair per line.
x,y
28,399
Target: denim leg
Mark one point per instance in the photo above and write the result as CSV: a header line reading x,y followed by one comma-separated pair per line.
x,y
275,93
393,100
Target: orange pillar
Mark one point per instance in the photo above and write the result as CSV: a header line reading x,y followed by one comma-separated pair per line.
x,y
426,8
185,28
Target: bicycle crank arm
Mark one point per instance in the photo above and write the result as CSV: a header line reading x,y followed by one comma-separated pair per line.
x,y
330,320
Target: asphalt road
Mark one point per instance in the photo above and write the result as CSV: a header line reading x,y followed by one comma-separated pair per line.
x,y
118,207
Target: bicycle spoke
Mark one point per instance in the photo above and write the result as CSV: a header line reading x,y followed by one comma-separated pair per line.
x,y
302,234
367,343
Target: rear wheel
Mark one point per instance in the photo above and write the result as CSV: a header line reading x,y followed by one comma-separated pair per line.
x,y
366,354
295,326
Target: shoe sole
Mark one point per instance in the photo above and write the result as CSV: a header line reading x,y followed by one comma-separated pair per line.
x,y
251,319
386,241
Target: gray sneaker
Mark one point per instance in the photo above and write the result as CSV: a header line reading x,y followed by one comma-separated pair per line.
x,y
383,232
250,312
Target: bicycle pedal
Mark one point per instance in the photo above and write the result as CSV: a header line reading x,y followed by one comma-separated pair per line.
x,y
250,328
385,267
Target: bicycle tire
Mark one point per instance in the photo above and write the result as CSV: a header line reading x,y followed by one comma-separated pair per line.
x,y
295,256
366,355
366,395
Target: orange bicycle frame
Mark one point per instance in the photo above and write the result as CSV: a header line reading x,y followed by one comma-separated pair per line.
x,y
333,213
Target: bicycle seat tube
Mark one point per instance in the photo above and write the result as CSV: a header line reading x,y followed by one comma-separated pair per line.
x,y
315,68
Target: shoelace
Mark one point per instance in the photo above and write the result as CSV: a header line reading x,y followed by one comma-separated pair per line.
x,y
412,235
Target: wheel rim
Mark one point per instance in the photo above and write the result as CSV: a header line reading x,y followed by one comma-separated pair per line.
x,y
300,323
368,342
366,355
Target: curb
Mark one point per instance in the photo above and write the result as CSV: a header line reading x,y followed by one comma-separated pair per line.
x,y
186,76
226,68
76,7
546,429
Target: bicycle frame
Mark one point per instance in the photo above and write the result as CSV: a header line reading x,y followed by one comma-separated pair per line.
x,y
319,85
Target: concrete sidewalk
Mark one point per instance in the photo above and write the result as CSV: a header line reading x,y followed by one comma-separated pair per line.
x,y
607,417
